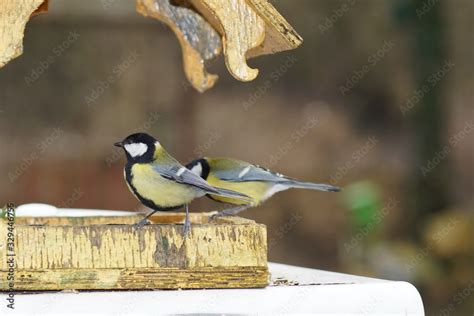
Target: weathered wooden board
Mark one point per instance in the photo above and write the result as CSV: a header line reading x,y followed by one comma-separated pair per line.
x,y
138,279
107,253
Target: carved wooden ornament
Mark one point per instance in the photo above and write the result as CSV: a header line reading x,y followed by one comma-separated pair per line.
x,y
241,28
199,41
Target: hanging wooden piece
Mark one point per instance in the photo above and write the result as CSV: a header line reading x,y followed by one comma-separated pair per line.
x,y
199,41
13,18
242,29
279,34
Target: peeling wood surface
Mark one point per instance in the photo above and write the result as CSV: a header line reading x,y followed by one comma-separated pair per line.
x,y
154,246
242,29
136,278
279,36
87,253
13,18
199,41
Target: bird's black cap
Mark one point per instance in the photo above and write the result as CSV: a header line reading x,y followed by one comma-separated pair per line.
x,y
137,138
142,152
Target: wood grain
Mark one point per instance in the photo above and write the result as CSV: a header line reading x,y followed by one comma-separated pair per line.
x,y
106,252
199,41
137,278
279,34
242,29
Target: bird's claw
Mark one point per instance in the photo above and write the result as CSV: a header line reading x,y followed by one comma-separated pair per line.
x,y
220,214
216,216
140,224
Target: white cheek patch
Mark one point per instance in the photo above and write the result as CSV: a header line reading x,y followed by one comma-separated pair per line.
x,y
136,149
197,169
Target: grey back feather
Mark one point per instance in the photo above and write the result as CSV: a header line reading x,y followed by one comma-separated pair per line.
x,y
242,172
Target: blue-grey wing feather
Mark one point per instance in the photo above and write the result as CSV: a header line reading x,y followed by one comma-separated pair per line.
x,y
249,173
240,171
172,172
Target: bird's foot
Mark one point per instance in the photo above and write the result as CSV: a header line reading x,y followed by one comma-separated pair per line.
x,y
217,215
233,211
186,228
140,224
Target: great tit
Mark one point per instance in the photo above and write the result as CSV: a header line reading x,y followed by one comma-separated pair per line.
x,y
252,180
160,182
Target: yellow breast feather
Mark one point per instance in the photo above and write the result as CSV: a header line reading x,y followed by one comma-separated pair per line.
x,y
163,192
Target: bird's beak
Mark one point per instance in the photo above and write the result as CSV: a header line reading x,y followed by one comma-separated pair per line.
x,y
119,144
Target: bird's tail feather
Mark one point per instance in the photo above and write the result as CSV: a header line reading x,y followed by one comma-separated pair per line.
x,y
233,194
313,186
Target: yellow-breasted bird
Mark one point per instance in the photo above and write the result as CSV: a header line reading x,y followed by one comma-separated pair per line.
x,y
254,181
159,181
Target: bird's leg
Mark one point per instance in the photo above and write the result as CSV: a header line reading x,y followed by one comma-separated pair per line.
x,y
231,211
187,222
144,221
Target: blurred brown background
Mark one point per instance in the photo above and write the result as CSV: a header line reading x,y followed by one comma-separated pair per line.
x,y
378,100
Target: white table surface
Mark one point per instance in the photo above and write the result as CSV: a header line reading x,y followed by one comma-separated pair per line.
x,y
293,290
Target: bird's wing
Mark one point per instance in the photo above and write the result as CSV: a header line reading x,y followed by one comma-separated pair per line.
x,y
240,171
247,172
181,174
